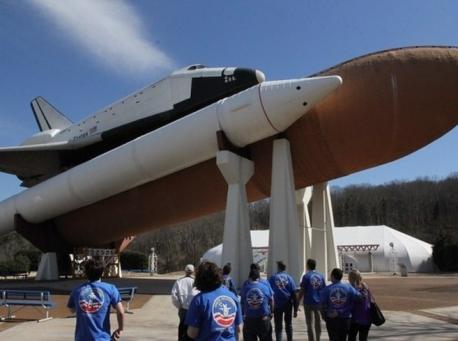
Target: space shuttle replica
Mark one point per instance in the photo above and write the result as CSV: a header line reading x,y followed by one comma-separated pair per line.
x,y
148,160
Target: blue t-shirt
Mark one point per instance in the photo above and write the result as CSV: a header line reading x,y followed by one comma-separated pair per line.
x,y
338,297
284,287
92,303
255,299
312,282
216,313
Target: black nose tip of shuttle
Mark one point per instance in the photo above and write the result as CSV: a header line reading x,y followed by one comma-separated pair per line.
x,y
250,75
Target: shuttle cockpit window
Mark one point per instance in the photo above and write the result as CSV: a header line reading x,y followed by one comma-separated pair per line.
x,y
196,67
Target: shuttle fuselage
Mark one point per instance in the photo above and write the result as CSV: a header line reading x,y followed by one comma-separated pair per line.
x,y
67,145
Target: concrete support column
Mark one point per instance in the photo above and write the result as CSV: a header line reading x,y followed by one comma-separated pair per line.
x,y
333,255
324,250
47,269
303,197
236,239
284,237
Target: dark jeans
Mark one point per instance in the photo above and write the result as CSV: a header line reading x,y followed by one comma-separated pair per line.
x,y
287,312
259,327
360,329
338,328
182,328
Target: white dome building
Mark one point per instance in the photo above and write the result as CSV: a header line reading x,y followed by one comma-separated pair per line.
x,y
259,244
391,249
366,248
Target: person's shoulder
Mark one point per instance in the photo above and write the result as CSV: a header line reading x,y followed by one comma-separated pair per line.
x,y
197,299
349,287
265,288
104,284
111,288
181,279
188,279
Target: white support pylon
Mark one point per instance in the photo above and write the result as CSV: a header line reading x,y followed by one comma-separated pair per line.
x,y
303,197
236,239
284,236
333,255
47,269
323,247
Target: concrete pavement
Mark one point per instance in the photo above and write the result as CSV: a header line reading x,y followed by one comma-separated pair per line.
x,y
157,320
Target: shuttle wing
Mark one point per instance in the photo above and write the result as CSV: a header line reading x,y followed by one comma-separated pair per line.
x,y
32,163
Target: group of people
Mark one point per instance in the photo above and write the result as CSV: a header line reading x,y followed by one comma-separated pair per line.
x,y
346,308
210,307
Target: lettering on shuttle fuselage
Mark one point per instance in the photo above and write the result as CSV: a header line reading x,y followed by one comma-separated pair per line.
x,y
228,79
81,136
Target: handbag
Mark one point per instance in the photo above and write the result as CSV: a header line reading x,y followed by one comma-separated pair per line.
x,y
376,315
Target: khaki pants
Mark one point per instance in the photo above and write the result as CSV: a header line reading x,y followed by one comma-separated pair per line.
x,y
312,317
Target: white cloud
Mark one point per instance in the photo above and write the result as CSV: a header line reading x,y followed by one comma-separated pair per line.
x,y
110,30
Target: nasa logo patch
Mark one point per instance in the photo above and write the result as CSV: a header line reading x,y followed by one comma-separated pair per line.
x,y
224,310
315,281
338,297
254,298
281,281
91,299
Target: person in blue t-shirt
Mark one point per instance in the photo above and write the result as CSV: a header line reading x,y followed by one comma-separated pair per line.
x,y
215,313
227,279
285,300
336,304
92,301
257,306
311,285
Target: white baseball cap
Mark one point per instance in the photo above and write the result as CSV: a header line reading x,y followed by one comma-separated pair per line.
x,y
189,268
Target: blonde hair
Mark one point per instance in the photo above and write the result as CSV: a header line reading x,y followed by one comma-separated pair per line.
x,y
354,277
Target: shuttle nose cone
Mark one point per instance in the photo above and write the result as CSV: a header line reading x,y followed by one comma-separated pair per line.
x,y
286,101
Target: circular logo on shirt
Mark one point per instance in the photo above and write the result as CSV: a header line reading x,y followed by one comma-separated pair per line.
x,y
254,298
281,281
315,281
224,310
91,299
338,297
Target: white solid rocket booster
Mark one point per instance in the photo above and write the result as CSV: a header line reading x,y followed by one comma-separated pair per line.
x,y
246,117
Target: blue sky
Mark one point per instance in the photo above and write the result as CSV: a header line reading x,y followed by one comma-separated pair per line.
x,y
83,55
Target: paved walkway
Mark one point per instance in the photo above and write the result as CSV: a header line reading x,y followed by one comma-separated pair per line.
x,y
157,320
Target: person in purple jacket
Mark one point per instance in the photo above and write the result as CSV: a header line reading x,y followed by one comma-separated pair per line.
x,y
311,285
361,313
337,301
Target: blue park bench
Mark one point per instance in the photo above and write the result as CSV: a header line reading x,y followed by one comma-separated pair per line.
x,y
127,295
26,298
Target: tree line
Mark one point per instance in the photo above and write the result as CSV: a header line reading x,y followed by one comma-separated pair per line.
x,y
424,208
